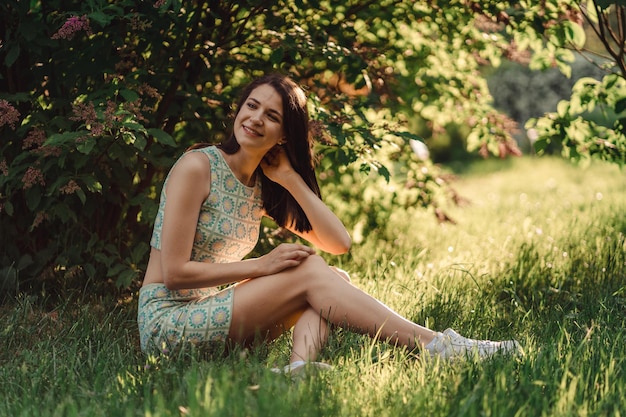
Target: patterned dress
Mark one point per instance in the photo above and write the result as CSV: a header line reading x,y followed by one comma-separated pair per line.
x,y
228,229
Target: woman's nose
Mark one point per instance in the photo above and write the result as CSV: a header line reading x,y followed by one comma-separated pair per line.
x,y
255,118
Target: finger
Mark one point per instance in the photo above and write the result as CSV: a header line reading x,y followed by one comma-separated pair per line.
x,y
300,255
309,250
301,249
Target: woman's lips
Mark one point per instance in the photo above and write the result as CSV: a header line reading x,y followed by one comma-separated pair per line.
x,y
251,131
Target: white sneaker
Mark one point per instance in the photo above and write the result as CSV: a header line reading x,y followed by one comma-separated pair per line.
x,y
297,367
450,344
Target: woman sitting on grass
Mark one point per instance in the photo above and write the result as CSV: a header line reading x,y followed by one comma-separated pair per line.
x,y
209,219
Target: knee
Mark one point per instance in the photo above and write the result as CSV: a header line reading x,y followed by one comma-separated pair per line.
x,y
313,263
316,265
343,274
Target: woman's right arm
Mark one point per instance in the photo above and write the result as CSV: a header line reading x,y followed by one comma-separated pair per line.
x,y
187,188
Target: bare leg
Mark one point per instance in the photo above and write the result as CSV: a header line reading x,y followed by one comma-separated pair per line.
x,y
262,303
309,336
311,331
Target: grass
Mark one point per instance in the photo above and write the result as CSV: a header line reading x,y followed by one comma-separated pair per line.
x,y
539,254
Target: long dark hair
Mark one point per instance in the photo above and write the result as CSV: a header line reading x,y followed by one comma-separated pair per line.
x,y
277,201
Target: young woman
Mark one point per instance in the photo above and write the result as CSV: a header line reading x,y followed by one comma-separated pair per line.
x,y
197,289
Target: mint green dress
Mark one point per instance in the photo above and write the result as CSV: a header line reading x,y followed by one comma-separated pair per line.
x,y
228,229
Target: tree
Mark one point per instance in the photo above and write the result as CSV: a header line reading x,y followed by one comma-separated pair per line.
x,y
98,97
592,123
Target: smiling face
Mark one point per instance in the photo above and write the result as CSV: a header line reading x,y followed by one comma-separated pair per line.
x,y
259,122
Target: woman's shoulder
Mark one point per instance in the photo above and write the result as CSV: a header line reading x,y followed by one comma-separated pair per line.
x,y
194,164
211,152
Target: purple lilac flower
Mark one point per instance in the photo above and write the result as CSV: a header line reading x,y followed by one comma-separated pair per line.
x,y
72,26
8,114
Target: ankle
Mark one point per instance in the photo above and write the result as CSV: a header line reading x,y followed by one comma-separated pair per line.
x,y
431,346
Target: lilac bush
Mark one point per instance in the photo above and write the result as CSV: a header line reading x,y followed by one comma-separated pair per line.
x,y
98,98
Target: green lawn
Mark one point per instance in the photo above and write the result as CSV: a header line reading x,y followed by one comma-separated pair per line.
x,y
538,254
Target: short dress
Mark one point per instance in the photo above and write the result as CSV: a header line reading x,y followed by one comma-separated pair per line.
x,y
228,229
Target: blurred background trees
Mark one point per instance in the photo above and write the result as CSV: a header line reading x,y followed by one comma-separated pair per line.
x,y
98,98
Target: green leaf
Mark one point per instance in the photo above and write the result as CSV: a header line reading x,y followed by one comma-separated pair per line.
x,y
86,146
92,184
102,258
129,95
12,55
139,252
562,108
162,137
33,198
25,261
101,18
134,126
277,56
90,270
541,144
64,138
610,80
8,207
591,11
116,270
384,172
574,33
126,278
81,195
604,4
140,142
408,136
620,105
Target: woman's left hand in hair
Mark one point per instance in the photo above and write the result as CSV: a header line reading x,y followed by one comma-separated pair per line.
x,y
276,165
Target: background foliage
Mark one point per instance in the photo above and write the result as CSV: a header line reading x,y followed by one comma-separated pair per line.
x,y
97,99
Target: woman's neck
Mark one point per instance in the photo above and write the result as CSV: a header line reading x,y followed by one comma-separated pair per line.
x,y
243,166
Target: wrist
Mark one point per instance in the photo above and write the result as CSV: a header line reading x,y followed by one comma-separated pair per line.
x,y
292,181
256,267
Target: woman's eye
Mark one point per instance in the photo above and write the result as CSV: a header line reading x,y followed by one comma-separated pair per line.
x,y
251,105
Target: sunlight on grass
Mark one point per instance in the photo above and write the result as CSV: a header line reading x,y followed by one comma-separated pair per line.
x,y
538,254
